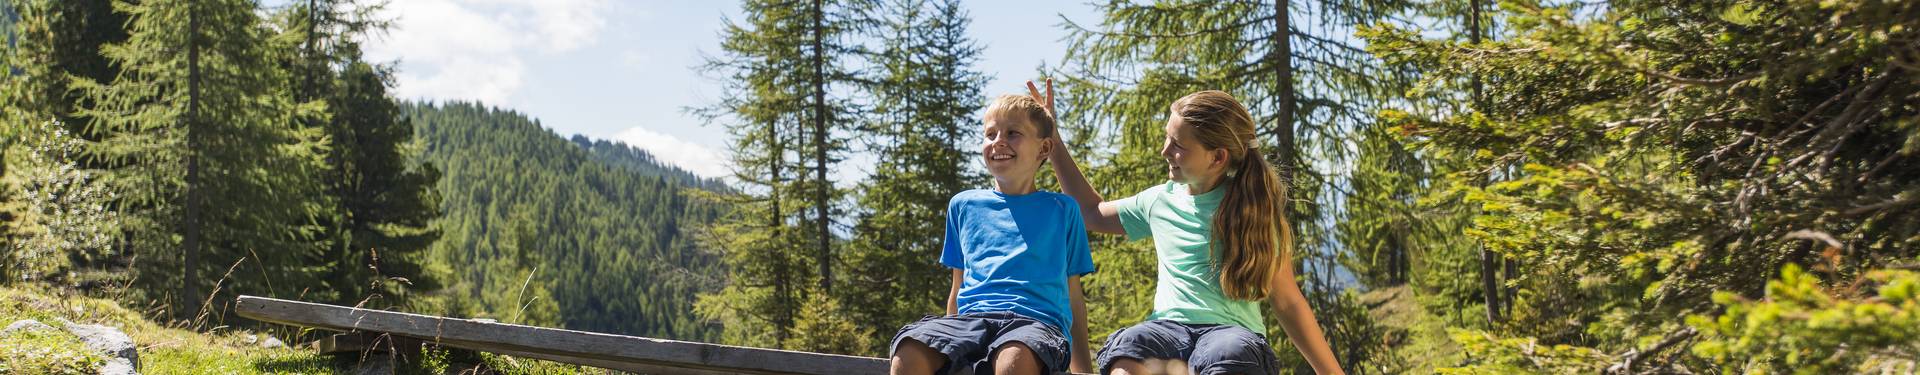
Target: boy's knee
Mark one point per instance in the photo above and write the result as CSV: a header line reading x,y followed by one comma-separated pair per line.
x,y
1016,358
914,357
1014,351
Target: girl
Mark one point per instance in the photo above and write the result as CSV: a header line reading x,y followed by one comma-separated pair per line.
x,y
1222,243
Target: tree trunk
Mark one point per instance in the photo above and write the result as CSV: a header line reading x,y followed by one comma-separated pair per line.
x,y
782,285
1489,269
820,148
191,240
1282,39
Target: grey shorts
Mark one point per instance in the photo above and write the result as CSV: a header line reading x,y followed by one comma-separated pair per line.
x,y
1208,349
969,340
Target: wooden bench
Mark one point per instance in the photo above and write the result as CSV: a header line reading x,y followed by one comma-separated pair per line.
x,y
625,353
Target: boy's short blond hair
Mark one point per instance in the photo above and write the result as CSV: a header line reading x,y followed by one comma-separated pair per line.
x,y
1019,105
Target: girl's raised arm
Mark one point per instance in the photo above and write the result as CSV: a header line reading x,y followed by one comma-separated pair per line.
x,y
1100,216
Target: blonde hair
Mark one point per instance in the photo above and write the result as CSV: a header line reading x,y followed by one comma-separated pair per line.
x,y
1251,237
1022,105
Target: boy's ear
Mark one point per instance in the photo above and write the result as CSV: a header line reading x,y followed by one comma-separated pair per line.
x,y
1046,147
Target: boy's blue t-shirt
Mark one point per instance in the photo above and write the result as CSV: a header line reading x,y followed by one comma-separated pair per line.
x,y
1016,253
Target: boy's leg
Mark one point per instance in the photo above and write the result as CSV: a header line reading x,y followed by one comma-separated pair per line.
x,y
916,358
1026,346
937,344
1015,358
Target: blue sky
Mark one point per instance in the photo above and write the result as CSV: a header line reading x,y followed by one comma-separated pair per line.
x,y
623,70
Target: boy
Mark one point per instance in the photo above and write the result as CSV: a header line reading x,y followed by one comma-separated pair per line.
x,y
1017,255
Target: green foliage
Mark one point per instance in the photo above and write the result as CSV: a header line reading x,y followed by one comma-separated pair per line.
x,y
567,239
785,77
219,170
378,227
824,326
1636,159
62,216
1803,327
923,125
1493,355
46,352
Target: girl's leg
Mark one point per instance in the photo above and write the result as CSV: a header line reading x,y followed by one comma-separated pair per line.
x,y
916,358
1229,349
1128,366
1145,348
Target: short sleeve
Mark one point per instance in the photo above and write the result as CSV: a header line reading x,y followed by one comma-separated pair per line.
x,y
1133,214
952,254
1080,255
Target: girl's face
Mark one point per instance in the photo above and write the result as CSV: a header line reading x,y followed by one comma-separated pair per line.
x,y
1188,161
1011,147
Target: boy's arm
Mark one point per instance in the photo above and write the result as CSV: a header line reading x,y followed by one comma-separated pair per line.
x,y
953,293
1100,216
1082,358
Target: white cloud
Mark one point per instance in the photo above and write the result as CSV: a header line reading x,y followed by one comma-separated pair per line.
x,y
690,156
475,49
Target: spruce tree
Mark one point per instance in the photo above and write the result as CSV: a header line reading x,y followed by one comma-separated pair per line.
x,y
784,73
927,94
220,184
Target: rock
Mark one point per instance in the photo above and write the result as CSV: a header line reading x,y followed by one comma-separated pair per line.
x,y
26,325
118,366
108,340
272,343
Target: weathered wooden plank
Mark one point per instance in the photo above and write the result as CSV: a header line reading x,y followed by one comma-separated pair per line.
x,y
627,353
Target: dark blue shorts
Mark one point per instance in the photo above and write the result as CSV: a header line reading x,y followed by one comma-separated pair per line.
x,y
1208,349
969,340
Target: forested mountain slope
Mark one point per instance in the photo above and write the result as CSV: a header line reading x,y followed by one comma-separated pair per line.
x,y
541,230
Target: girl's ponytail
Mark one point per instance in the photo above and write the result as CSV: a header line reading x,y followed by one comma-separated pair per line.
x,y
1251,238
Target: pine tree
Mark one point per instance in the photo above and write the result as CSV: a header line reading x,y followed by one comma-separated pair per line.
x,y
52,44
1656,160
926,96
782,71
379,228
206,151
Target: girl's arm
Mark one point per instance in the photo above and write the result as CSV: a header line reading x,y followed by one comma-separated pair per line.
x,y
1082,358
1100,216
953,293
1297,318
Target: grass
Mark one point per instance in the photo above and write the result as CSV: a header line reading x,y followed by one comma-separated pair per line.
x,y
1425,345
172,350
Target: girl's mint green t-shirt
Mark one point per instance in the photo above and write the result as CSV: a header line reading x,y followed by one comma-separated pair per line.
x,y
1188,286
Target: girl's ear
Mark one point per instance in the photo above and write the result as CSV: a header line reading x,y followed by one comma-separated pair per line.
x,y
1220,156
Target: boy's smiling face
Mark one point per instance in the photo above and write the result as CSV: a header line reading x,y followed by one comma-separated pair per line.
x,y
1011,146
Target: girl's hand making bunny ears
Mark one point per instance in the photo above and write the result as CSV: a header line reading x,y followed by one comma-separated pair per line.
x,y
1046,102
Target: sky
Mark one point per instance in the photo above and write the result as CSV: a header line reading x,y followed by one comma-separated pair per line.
x,y
624,70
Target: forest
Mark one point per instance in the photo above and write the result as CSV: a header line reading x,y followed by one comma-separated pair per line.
x,y
1478,186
